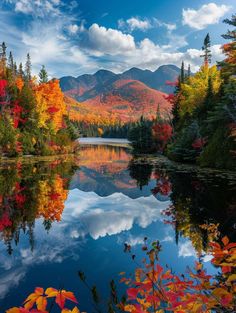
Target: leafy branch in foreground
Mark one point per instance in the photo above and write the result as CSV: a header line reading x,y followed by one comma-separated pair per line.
x,y
159,290
156,289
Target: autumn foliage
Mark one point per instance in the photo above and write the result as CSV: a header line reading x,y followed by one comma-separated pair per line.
x,y
156,289
33,114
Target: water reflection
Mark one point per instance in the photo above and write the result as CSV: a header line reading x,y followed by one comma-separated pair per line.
x,y
29,192
59,216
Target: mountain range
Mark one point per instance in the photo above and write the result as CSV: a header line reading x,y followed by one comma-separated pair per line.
x,y
127,95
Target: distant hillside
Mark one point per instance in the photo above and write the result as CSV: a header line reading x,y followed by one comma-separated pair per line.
x,y
124,96
156,80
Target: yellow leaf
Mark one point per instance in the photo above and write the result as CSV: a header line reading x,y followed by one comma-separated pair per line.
x,y
129,308
231,278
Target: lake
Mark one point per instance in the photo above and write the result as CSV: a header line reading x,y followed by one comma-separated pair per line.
x,y
61,216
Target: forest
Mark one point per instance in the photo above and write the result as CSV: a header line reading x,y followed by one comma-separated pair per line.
x,y
202,126
33,114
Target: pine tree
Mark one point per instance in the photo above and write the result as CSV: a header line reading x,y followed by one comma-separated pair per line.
x,y
207,50
228,66
3,58
189,70
43,75
11,62
28,67
176,104
182,73
15,69
21,72
230,34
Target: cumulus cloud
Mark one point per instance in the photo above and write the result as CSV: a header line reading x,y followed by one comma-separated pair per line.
x,y
208,14
110,215
111,41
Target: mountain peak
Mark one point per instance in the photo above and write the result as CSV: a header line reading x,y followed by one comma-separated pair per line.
x,y
155,80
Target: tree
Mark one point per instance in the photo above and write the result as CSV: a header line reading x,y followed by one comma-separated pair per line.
x,y
228,66
206,50
140,136
43,75
182,73
3,59
50,105
28,67
189,71
21,72
11,62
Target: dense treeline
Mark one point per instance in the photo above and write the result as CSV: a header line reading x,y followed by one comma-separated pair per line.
x,y
115,130
203,125
33,115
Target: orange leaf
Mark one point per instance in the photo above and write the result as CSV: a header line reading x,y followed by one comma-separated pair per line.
x,y
225,240
36,297
41,303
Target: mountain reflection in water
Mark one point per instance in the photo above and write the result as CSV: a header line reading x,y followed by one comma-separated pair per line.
x,y
61,216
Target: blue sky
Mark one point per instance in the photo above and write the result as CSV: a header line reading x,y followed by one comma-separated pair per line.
x,y
73,37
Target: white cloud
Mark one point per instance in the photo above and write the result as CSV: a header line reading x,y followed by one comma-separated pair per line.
x,y
109,41
135,23
23,6
167,238
208,14
186,250
169,26
207,258
10,279
38,8
110,215
73,28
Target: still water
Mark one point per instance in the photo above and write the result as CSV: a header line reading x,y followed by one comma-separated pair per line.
x,y
58,217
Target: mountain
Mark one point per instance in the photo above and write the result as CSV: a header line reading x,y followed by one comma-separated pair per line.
x,y
156,80
124,96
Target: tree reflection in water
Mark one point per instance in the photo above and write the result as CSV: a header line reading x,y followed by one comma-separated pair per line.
x,y
202,205
36,190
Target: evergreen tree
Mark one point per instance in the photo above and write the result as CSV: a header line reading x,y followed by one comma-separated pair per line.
x,y
11,62
175,107
228,66
3,58
140,136
189,71
15,69
43,75
182,73
207,50
21,72
28,67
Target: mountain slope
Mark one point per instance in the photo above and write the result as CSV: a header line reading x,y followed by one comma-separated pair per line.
x,y
124,96
156,80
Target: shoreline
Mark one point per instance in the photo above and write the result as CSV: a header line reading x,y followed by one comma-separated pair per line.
x,y
163,161
155,160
